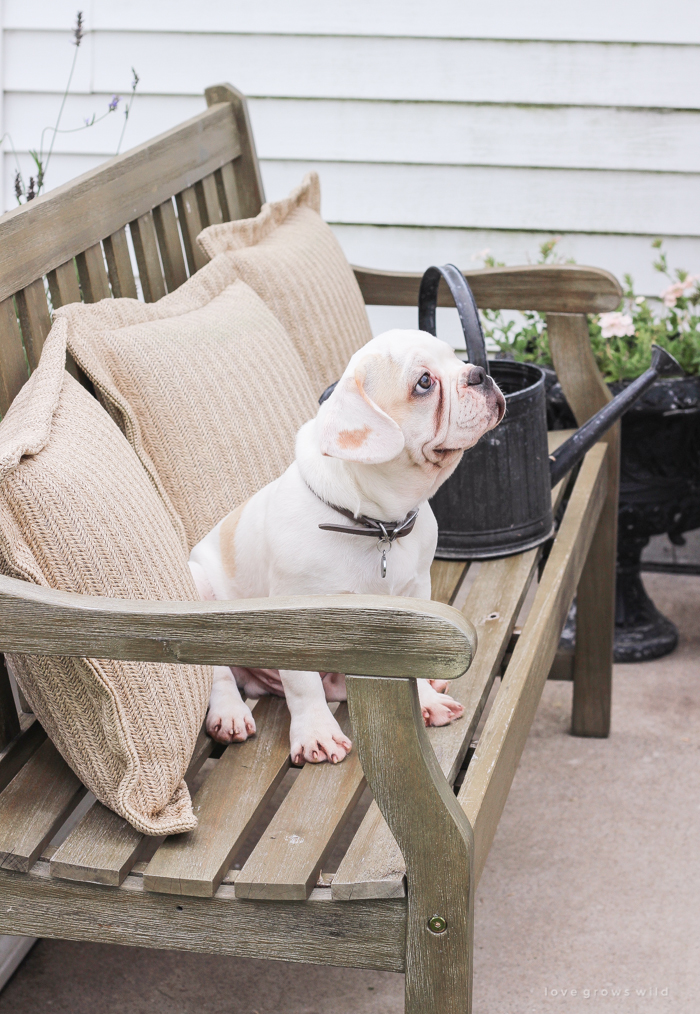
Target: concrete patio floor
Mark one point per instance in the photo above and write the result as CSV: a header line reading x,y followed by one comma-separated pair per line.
x,y
592,884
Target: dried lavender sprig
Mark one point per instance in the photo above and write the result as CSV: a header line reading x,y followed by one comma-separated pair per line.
x,y
78,37
127,110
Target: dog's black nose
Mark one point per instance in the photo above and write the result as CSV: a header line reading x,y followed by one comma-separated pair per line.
x,y
477,375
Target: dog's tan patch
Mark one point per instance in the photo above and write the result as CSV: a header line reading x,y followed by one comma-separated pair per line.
x,y
353,438
227,539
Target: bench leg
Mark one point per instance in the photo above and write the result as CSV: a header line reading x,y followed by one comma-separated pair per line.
x,y
433,834
595,618
595,627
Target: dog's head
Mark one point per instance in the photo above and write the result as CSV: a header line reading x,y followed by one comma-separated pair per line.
x,y
407,389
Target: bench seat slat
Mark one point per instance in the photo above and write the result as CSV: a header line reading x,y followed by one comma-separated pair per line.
x,y
446,577
34,805
227,805
19,750
170,245
103,847
373,866
121,272
285,864
490,774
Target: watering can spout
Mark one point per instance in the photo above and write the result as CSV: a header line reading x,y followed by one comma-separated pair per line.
x,y
572,450
663,362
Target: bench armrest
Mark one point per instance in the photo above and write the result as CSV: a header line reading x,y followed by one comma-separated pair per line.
x,y
547,288
376,635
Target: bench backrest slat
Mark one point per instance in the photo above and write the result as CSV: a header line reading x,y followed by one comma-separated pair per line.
x,y
14,369
132,222
41,235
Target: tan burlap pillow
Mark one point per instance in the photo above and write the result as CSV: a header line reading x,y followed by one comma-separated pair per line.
x,y
78,513
295,264
205,384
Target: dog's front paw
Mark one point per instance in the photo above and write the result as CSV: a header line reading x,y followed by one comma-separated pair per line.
x,y
229,719
437,708
317,738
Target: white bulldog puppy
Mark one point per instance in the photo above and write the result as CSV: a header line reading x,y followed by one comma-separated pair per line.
x,y
393,430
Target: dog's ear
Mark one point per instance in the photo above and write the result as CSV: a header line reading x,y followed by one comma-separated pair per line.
x,y
354,428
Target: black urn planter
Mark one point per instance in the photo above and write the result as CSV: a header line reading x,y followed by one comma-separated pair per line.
x,y
659,493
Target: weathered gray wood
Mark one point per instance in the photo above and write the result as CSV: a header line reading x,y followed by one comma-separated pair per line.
x,y
249,185
63,284
18,751
389,636
548,288
190,218
365,935
433,834
34,805
210,192
94,280
9,719
287,860
121,272
227,805
34,319
586,393
13,362
143,236
170,245
373,866
51,229
446,577
228,196
103,847
489,776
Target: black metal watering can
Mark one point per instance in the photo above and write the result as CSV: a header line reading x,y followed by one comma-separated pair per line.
x,y
498,501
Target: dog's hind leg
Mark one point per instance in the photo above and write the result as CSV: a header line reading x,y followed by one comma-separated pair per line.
x,y
437,708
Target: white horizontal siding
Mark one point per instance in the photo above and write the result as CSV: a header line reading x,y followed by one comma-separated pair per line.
x,y
436,70
411,249
676,21
561,137
578,200
438,130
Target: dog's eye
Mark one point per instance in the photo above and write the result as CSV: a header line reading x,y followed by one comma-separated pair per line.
x,y
425,383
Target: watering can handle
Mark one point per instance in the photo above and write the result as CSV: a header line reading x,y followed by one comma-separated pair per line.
x,y
466,308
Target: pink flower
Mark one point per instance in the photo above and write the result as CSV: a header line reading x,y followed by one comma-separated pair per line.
x,y
616,325
674,292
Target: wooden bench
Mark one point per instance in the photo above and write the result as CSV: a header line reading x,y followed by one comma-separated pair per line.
x,y
253,879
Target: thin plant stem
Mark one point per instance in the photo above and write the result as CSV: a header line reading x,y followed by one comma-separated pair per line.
x,y
60,114
129,104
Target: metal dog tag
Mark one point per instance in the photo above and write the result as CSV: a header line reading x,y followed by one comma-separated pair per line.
x,y
383,545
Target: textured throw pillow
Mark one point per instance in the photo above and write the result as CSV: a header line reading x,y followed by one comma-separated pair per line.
x,y
290,256
205,384
78,513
